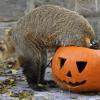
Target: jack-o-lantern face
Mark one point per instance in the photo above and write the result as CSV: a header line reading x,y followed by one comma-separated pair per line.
x,y
77,68
80,66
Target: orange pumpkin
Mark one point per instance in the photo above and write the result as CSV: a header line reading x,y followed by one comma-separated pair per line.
x,y
77,69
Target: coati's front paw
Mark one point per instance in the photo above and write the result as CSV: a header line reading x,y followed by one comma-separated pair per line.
x,y
38,87
49,83
43,85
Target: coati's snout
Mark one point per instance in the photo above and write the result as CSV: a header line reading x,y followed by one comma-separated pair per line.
x,y
94,44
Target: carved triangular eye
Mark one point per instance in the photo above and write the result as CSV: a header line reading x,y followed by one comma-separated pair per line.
x,y
81,65
62,61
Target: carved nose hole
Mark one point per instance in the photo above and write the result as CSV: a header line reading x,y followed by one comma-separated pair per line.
x,y
69,74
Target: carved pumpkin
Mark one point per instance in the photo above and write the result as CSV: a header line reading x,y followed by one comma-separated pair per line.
x,y
77,69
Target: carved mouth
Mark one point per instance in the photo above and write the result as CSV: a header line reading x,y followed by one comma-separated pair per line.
x,y
75,84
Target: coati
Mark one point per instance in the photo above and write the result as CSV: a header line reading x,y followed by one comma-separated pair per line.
x,y
47,27
6,51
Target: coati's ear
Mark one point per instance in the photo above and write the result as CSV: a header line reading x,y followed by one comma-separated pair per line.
x,y
2,46
1,42
8,32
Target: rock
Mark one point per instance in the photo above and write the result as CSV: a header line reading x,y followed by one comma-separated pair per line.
x,y
11,10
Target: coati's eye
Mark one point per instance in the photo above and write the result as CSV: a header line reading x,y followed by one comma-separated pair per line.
x,y
2,49
1,42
